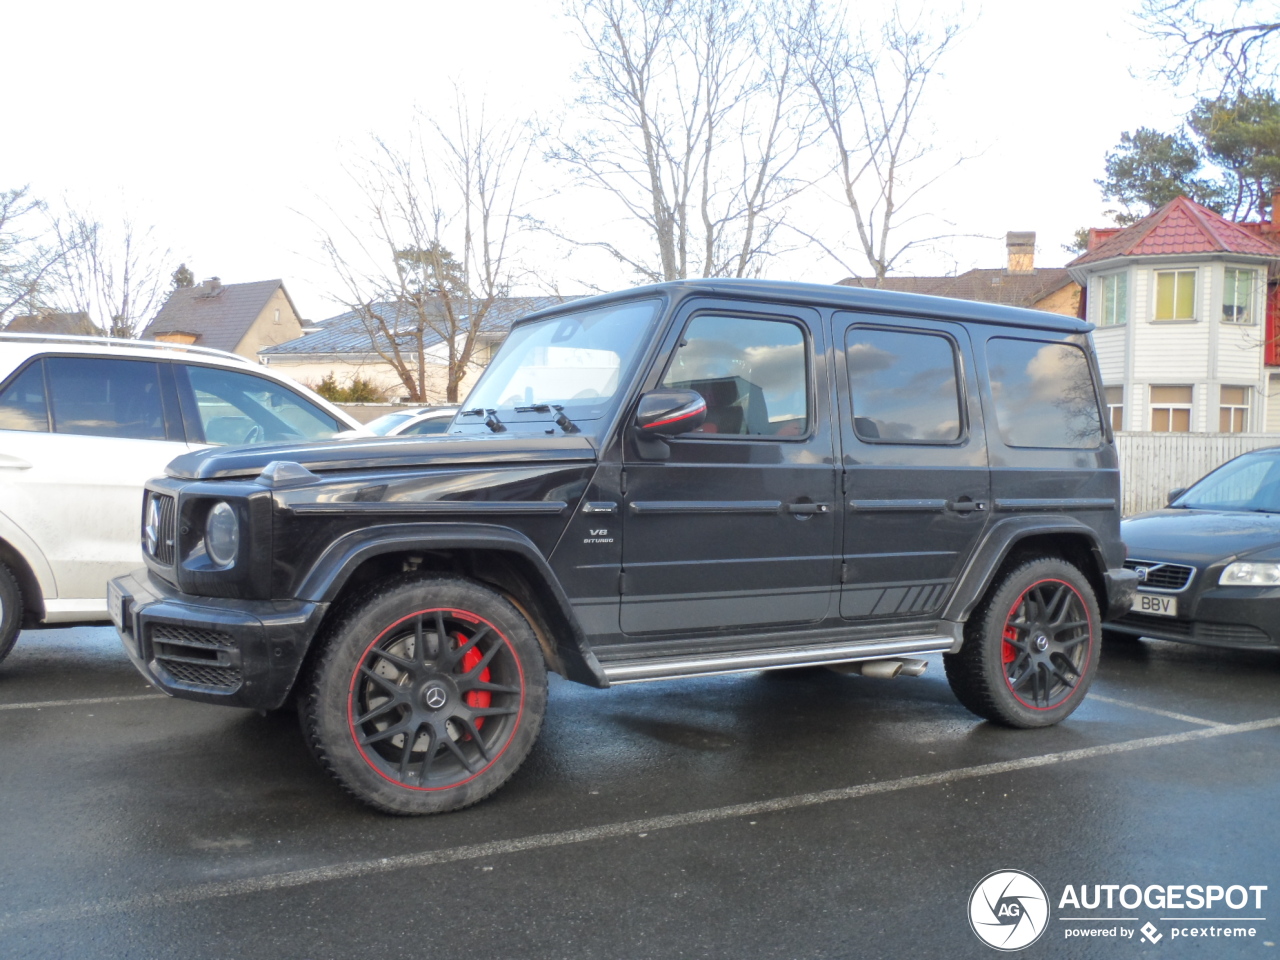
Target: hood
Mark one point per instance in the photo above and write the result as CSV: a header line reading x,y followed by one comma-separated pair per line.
x,y
444,451
1199,536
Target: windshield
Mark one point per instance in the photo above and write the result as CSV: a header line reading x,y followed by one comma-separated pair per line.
x,y
1251,482
385,422
576,361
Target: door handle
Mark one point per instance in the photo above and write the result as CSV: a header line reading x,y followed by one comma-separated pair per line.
x,y
808,508
13,463
965,505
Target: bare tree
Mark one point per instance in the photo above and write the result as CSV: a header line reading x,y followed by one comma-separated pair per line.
x,y
424,268
29,252
1229,42
114,274
869,92
697,126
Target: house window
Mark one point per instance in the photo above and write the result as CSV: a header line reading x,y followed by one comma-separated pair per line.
x,y
1233,410
1115,406
1176,295
277,319
1115,300
1237,296
1171,409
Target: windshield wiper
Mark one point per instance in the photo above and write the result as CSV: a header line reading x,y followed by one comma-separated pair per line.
x,y
562,420
490,418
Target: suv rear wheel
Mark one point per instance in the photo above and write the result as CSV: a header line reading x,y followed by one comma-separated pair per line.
x,y
427,697
10,610
1030,649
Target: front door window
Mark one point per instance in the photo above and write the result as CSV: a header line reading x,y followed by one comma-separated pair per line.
x,y
750,371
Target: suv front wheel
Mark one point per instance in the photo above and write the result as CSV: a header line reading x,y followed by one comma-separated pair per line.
x,y
428,695
1030,648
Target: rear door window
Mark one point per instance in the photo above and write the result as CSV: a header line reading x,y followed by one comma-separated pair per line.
x,y
903,385
1044,394
237,408
97,397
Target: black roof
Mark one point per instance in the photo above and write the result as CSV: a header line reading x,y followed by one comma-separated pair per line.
x,y
852,298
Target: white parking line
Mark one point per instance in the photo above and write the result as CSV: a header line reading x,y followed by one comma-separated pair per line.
x,y
542,841
1156,710
40,704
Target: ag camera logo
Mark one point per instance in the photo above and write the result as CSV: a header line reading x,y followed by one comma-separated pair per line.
x,y
1008,910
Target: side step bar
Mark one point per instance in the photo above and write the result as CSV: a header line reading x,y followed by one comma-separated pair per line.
x,y
670,668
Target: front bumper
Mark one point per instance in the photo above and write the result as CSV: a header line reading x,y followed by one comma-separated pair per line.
x,y
1246,618
241,653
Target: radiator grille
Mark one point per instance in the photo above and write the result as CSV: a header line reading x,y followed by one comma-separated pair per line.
x,y
164,519
1161,576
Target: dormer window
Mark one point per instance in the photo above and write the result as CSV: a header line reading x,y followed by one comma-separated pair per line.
x,y
1237,296
1115,300
1176,295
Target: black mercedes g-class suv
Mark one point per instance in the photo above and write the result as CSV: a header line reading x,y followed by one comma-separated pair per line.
x,y
692,478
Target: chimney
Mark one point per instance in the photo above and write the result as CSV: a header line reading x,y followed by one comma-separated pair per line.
x,y
1272,225
1022,251
211,287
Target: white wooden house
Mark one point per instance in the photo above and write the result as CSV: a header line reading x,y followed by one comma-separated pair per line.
x,y
1180,303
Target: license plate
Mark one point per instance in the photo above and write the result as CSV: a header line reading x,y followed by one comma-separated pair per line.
x,y
1157,605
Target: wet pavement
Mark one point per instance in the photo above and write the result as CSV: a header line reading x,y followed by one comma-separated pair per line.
x,y
800,814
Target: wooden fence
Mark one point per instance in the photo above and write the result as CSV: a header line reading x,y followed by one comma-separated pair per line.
x,y
1152,464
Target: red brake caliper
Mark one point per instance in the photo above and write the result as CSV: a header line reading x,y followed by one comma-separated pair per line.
x,y
1008,652
476,698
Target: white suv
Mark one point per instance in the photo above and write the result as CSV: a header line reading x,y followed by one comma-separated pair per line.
x,y
84,423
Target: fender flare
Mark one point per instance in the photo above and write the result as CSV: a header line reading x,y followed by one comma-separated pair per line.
x,y
996,545
333,568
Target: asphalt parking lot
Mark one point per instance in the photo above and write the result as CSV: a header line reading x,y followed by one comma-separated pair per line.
x,y
803,815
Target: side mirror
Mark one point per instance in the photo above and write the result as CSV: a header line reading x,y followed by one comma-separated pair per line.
x,y
1174,494
666,413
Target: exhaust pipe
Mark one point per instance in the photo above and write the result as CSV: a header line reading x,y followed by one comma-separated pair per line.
x,y
882,669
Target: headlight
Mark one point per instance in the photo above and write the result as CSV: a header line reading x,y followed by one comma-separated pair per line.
x,y
1250,575
222,534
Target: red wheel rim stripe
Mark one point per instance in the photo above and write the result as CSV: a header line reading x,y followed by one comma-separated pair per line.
x,y
461,615
1088,653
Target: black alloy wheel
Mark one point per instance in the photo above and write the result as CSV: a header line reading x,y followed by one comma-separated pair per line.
x,y
428,697
425,710
10,610
1046,641
1030,648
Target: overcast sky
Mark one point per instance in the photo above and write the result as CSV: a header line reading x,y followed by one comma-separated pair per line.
x,y
227,126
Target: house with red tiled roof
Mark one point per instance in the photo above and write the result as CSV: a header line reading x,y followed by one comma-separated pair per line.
x,y
1180,303
1020,283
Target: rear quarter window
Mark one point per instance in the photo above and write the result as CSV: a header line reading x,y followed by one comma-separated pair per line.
x,y
1044,394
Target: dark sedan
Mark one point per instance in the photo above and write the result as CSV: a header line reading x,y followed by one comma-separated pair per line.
x,y
1209,563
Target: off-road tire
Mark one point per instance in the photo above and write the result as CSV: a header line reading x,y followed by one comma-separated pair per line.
x,y
10,610
383,668
1017,666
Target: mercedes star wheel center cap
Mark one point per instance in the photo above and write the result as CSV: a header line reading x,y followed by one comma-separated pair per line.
x,y
1042,643
435,696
